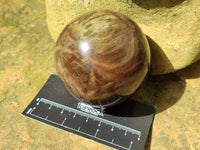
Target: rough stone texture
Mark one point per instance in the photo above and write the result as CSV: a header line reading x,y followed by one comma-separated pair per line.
x,y
26,54
173,27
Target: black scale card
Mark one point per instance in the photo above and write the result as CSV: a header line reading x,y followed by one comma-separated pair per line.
x,y
124,127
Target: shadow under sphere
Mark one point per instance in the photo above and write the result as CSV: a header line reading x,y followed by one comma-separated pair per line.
x,y
162,91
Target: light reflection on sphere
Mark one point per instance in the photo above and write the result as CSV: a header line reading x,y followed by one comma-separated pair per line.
x,y
102,57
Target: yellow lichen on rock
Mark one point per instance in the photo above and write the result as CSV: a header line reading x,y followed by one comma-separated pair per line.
x,y
173,27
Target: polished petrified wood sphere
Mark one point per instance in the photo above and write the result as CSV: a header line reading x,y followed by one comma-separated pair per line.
x,y
101,57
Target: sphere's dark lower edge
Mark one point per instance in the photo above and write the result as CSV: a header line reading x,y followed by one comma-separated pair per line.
x,y
113,101
99,104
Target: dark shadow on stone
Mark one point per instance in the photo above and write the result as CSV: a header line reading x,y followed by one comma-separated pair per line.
x,y
191,72
160,63
130,108
150,4
162,91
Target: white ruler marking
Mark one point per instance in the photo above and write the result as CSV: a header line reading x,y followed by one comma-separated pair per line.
x,y
112,140
81,132
133,131
131,143
96,132
63,121
127,129
29,110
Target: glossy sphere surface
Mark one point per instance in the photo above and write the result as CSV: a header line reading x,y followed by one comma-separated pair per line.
x,y
102,56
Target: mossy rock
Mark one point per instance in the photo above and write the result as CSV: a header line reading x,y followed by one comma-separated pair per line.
x,y
172,27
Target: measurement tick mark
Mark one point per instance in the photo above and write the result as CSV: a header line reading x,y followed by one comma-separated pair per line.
x,y
29,111
63,121
130,145
113,140
96,132
74,116
125,133
99,124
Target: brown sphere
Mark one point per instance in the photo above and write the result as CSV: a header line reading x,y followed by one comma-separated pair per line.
x,y
101,57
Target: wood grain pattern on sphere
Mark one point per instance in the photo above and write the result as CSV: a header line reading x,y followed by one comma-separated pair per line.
x,y
100,55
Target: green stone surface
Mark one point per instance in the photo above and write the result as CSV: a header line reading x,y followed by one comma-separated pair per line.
x,y
26,62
